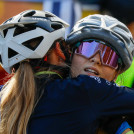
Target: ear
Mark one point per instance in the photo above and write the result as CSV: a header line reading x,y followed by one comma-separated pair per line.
x,y
59,51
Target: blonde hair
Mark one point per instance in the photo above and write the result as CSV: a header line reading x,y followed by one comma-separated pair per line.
x,y
17,101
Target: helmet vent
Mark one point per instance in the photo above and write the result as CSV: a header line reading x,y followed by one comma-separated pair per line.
x,y
56,26
124,28
5,32
0,59
48,15
33,43
11,53
29,14
8,20
20,30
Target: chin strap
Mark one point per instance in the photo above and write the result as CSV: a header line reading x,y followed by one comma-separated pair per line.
x,y
47,72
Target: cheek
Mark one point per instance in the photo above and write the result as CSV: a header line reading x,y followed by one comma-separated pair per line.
x,y
109,73
77,65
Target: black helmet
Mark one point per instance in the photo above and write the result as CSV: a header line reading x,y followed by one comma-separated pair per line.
x,y
17,32
105,28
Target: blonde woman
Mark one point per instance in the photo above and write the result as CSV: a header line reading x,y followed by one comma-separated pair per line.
x,y
24,41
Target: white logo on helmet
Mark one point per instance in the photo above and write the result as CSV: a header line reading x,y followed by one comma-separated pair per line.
x,y
42,19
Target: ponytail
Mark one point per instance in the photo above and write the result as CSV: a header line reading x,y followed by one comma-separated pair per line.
x,y
17,101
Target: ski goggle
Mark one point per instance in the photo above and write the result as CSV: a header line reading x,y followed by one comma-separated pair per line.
x,y
89,48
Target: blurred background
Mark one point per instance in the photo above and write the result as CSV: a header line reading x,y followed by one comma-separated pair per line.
x,y
68,10
73,10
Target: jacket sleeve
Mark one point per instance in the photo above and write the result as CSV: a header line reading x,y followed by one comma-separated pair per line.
x,y
123,127
107,98
1,87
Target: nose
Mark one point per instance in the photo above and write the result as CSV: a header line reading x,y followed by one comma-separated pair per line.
x,y
96,58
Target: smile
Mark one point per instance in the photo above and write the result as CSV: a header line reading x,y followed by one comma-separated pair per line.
x,y
91,71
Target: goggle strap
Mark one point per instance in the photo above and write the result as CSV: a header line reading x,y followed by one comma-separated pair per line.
x,y
78,44
119,61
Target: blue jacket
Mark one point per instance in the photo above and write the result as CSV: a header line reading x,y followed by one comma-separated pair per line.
x,y
76,106
1,87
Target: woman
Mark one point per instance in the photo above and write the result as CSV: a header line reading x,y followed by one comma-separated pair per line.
x,y
37,99
24,41
101,46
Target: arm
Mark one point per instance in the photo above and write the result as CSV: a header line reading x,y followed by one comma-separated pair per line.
x,y
108,99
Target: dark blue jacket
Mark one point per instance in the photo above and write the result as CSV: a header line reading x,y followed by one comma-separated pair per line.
x,y
76,106
1,87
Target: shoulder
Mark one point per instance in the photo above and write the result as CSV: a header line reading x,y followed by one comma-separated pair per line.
x,y
84,80
90,84
94,82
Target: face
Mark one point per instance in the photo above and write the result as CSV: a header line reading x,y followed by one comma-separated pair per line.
x,y
56,57
91,66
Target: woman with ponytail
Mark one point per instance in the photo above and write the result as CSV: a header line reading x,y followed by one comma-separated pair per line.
x,y
41,97
26,38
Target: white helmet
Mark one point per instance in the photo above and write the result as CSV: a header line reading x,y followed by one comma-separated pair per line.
x,y
15,41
